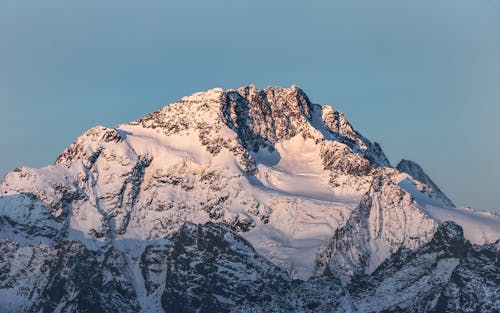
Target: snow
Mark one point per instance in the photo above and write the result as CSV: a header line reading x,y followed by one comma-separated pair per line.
x,y
479,227
298,172
11,301
150,303
167,150
396,291
297,228
306,210
379,250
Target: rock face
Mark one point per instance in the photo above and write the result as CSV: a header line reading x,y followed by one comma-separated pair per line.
x,y
64,276
434,278
211,269
386,220
448,274
241,200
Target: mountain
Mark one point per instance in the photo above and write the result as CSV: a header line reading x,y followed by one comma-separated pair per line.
x,y
241,200
426,187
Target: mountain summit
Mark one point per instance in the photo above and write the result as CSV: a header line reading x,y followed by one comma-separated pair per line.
x,y
225,201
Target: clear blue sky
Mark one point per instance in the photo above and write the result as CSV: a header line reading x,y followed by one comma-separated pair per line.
x,y
421,77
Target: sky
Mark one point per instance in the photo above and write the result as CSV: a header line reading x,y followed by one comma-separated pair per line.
x,y
420,77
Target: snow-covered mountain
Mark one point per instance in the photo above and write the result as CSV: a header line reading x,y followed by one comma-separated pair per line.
x,y
245,200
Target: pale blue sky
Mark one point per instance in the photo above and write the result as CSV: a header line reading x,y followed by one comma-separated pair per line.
x,y
421,77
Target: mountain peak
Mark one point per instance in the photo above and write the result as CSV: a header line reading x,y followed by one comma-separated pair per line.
x,y
282,99
416,171
261,119
205,203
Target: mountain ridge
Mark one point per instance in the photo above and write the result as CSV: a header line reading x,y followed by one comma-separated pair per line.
x,y
309,195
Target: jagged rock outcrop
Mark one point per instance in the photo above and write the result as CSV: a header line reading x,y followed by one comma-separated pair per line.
x,y
211,269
